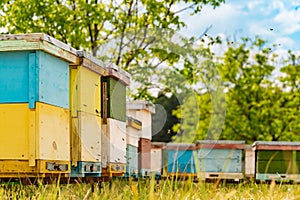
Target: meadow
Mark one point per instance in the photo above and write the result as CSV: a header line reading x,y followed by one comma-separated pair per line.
x,y
152,190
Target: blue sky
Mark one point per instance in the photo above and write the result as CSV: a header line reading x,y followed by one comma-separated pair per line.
x,y
242,18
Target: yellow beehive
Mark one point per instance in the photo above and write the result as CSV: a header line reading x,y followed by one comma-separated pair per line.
x,y
86,138
85,91
85,105
34,141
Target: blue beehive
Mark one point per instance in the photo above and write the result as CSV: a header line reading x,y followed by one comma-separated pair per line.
x,y
219,159
181,160
33,69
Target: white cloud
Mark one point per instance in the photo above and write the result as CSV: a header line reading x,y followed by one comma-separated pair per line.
x,y
248,19
289,21
288,42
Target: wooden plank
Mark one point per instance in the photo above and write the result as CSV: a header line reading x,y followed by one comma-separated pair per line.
x,y
180,146
38,41
141,105
92,63
14,134
18,45
14,78
116,95
249,162
276,147
220,144
117,73
230,176
32,85
53,132
32,137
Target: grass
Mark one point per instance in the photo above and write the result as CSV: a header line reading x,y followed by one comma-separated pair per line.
x,y
150,189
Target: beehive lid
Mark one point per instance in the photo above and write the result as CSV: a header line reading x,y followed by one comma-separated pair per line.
x,y
141,105
180,146
114,71
91,62
262,145
38,41
157,145
220,144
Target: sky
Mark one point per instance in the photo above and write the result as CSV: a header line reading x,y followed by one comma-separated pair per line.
x,y
277,21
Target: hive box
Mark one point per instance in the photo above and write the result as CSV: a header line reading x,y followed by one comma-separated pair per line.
x,y
133,127
277,160
142,111
131,161
33,141
86,122
221,159
181,160
34,87
144,156
35,68
157,158
113,112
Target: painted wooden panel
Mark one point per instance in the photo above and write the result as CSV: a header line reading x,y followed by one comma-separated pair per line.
x,y
117,142
277,177
249,162
53,80
220,153
275,161
220,160
105,145
49,139
86,137
33,76
53,132
181,161
14,79
38,41
85,91
156,160
116,96
14,125
144,150
132,136
131,160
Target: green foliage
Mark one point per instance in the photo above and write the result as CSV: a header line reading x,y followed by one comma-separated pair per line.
x,y
261,104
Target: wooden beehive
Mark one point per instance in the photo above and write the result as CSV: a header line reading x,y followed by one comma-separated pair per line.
x,y
113,112
142,111
133,128
33,140
131,161
181,159
157,158
221,159
277,160
86,123
34,101
144,156
35,68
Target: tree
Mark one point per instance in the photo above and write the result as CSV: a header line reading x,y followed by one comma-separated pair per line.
x,y
138,36
259,105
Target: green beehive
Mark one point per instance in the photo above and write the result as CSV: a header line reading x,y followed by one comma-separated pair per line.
x,y
277,160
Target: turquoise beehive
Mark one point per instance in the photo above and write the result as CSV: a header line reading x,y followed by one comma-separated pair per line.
x,y
35,68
